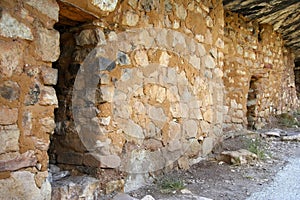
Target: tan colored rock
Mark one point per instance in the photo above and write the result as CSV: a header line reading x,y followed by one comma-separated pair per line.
x,y
130,19
47,45
8,115
48,124
76,187
141,58
181,12
9,138
21,185
10,59
47,8
10,27
208,145
49,75
105,5
239,157
48,96
183,163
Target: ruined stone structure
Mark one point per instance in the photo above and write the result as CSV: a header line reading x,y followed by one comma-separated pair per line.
x,y
124,90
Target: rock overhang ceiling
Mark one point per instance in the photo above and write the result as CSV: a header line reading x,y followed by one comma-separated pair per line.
x,y
284,15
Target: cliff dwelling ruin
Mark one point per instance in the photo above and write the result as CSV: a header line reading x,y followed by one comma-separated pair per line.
x,y
115,92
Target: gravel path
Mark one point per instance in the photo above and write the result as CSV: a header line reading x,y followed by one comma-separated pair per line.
x,y
286,184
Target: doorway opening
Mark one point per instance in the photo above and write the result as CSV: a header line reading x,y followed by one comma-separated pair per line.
x,y
252,102
297,77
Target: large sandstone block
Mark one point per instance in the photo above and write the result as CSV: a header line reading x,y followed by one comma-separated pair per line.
x,y
47,44
10,27
46,7
9,138
8,115
21,185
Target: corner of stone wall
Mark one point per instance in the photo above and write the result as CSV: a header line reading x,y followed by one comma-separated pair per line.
x,y
28,46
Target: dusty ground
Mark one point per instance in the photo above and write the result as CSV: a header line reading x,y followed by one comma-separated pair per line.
x,y
217,180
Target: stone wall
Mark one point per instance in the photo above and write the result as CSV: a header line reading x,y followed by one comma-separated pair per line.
x,y
28,46
258,73
162,95
142,87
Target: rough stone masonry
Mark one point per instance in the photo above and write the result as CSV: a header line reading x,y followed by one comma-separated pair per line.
x,y
175,75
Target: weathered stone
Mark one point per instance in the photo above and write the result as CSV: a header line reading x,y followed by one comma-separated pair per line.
x,y
158,116
179,110
208,115
27,123
9,90
133,3
9,138
195,61
183,163
123,196
239,157
107,93
48,124
123,59
175,131
47,44
295,137
148,197
40,143
105,5
8,115
11,27
181,11
10,58
86,37
190,128
208,62
152,144
164,59
115,186
23,185
33,95
131,129
48,96
76,187
48,8
174,145
49,75
141,58
208,145
130,19
40,178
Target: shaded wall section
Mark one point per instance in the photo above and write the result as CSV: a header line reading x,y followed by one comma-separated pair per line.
x,y
28,46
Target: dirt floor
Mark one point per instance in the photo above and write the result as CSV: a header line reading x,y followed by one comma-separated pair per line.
x,y
215,179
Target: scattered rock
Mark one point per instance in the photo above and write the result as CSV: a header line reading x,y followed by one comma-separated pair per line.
x,y
122,196
239,157
148,197
76,187
295,137
185,191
